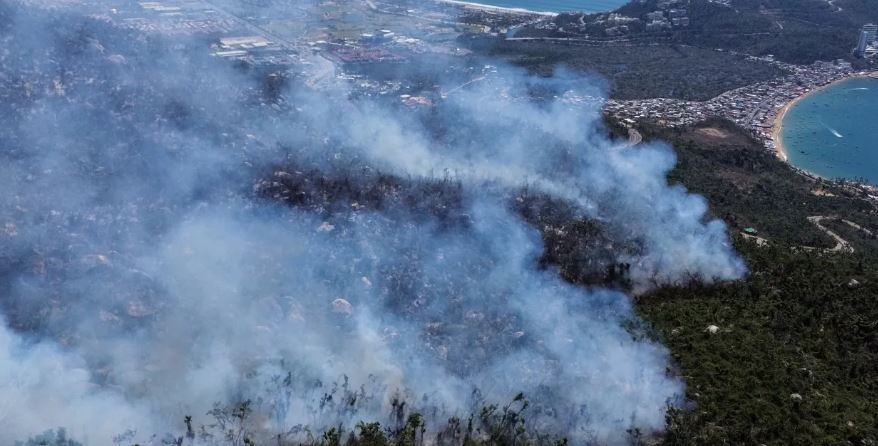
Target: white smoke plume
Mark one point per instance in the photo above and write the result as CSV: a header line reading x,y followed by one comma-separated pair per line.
x,y
144,280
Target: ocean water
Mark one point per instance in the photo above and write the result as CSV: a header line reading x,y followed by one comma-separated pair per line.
x,y
834,132
556,5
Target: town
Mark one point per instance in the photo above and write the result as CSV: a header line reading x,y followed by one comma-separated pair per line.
x,y
753,107
352,40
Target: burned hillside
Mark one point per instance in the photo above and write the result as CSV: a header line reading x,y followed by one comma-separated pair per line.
x,y
179,231
579,247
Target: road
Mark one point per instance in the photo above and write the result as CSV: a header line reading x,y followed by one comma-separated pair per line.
x,y
841,244
446,93
634,137
324,70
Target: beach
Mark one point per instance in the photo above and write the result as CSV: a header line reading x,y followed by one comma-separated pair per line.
x,y
549,6
777,127
491,8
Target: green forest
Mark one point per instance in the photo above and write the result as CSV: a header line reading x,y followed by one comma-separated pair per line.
x,y
795,31
640,71
793,357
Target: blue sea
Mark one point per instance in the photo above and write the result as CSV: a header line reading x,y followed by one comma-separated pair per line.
x,y
556,5
834,132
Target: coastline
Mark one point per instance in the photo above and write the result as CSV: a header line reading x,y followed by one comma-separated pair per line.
x,y
777,127
491,8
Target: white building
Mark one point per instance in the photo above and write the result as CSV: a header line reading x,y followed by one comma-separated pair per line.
x,y
871,31
862,44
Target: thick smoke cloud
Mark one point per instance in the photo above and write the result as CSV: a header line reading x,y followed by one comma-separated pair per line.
x,y
145,277
554,146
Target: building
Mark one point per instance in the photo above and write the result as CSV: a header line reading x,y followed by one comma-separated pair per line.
x,y
862,44
244,42
871,31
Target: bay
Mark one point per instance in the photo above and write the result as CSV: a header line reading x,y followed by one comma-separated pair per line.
x,y
833,132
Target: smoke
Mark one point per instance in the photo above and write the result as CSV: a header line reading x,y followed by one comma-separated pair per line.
x,y
555,146
43,386
172,236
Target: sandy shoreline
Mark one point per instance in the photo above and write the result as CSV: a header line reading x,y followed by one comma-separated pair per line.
x,y
491,8
777,128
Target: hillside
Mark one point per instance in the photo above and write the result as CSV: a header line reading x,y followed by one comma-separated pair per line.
x,y
791,360
794,31
696,61
360,223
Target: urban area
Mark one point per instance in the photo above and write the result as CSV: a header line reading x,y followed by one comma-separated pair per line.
x,y
353,40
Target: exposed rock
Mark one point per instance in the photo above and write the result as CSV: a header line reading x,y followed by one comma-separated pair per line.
x,y
342,306
283,175
93,260
106,316
138,309
117,59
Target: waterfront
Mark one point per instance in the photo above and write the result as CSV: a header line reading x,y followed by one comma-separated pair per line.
x,y
556,5
831,133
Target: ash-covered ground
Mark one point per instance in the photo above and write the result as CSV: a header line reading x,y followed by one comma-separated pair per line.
x,y
180,234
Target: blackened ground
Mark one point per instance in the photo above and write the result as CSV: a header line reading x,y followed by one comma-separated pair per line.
x,y
579,248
